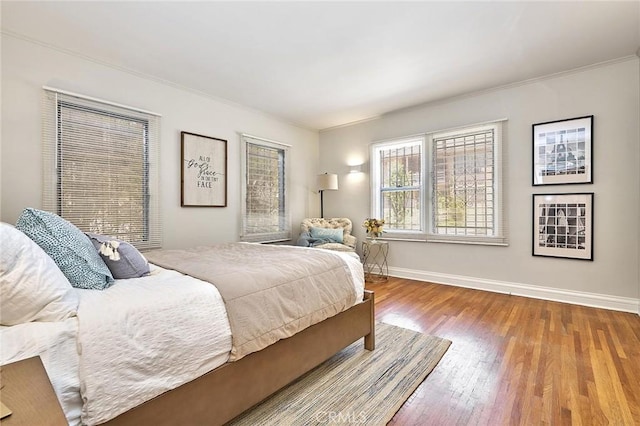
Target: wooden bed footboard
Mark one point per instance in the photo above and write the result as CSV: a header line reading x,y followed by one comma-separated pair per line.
x,y
222,394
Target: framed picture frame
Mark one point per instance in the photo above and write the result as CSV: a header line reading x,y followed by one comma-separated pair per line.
x,y
203,171
563,225
563,151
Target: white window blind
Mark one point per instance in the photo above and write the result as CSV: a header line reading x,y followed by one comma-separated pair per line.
x,y
466,186
101,167
265,212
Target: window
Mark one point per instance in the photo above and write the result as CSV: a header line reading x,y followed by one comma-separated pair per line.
x,y
465,190
398,186
443,186
100,170
265,212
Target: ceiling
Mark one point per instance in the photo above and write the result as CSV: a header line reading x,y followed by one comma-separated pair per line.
x,y
324,64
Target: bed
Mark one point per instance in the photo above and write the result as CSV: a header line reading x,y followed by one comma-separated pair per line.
x,y
196,375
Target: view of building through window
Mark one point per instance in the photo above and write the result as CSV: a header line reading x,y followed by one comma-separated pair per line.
x,y
442,186
463,185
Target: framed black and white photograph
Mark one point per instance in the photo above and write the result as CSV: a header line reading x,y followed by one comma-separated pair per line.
x,y
204,171
563,225
562,151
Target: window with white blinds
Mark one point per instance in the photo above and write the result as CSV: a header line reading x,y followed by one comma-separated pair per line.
x,y
265,212
466,186
101,167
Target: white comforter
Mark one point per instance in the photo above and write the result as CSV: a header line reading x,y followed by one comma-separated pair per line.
x,y
142,337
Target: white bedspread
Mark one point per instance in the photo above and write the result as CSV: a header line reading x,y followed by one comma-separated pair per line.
x,y
142,337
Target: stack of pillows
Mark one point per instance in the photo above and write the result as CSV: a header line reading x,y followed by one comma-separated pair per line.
x,y
44,256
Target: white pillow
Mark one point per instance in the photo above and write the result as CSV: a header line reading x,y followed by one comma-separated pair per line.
x,y
32,287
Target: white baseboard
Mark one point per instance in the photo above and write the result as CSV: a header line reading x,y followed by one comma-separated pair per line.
x,y
616,303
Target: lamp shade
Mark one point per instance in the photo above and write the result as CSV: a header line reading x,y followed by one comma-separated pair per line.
x,y
328,182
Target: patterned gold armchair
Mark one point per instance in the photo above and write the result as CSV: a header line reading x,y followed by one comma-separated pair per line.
x,y
325,233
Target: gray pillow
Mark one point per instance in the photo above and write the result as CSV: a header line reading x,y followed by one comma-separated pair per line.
x,y
68,247
122,259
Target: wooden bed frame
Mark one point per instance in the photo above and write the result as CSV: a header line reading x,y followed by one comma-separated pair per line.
x,y
223,393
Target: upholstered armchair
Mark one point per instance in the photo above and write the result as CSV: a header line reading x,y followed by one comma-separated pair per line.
x,y
324,233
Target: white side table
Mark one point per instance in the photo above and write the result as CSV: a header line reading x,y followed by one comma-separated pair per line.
x,y
374,260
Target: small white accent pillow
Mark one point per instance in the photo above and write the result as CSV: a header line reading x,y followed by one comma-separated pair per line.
x,y
32,287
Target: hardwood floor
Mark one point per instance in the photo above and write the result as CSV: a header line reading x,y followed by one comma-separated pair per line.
x,y
516,360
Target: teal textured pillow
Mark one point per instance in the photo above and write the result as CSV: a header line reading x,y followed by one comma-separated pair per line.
x,y
334,235
72,251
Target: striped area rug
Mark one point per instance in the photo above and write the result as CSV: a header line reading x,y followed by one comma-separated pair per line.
x,y
355,385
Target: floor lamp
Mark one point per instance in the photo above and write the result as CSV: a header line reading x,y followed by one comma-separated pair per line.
x,y
326,182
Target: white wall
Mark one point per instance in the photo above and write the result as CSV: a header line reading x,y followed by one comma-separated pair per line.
x,y
26,67
609,92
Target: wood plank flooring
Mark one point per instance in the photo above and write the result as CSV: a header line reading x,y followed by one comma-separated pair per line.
x,y
515,360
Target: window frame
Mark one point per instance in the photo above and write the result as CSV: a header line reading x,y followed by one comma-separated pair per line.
x,y
427,232
54,103
377,192
284,233
499,225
